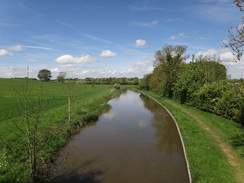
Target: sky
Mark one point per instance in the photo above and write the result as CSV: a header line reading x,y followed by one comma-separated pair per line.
x,y
109,38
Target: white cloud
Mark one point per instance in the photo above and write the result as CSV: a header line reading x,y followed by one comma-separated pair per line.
x,y
172,37
182,34
140,42
228,58
39,47
215,12
208,53
69,59
108,53
132,53
174,20
4,52
146,24
15,48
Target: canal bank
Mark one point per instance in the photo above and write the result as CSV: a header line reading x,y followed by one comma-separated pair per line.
x,y
136,141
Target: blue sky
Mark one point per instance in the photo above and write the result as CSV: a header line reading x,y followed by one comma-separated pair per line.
x,y
108,38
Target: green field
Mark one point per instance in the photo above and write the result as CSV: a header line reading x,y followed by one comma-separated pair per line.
x,y
87,103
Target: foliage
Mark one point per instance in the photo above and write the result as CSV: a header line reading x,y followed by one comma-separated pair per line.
x,y
201,71
88,104
145,82
27,128
69,88
111,81
221,98
44,75
236,34
61,77
168,66
116,86
207,162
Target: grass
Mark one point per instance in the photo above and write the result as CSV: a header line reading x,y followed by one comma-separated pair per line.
x,y
87,103
208,163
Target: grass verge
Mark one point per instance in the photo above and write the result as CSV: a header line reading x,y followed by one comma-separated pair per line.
x,y
208,162
87,103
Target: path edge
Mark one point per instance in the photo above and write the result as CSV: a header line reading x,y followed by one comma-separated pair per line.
x,y
178,129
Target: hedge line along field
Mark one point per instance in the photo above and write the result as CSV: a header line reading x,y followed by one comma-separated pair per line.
x,y
87,103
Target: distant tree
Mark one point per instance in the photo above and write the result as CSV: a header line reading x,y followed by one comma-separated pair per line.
x,y
236,34
123,81
169,63
61,77
145,82
44,75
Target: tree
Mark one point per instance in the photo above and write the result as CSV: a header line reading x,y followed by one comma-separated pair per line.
x,y
239,4
69,88
44,75
199,72
169,62
61,77
27,128
236,34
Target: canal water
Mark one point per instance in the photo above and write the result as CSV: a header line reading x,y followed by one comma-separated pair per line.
x,y
136,141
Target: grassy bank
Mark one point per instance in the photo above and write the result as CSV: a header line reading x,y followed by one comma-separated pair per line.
x,y
205,136
87,103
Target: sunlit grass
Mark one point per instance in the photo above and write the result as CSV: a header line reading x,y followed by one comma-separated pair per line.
x,y
207,161
87,104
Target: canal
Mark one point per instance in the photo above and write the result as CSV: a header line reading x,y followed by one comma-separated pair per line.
x,y
136,141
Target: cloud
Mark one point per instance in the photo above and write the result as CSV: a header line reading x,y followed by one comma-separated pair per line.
x,y
208,53
69,59
4,52
146,24
132,53
183,35
38,47
218,12
15,48
8,25
108,53
228,58
88,36
140,42
145,8
174,20
172,37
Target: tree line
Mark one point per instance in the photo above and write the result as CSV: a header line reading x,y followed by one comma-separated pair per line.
x,y
201,83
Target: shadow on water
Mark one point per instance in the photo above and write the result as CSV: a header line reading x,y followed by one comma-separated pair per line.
x,y
166,136
76,176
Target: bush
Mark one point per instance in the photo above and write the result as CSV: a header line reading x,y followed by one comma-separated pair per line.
x,y
221,98
116,86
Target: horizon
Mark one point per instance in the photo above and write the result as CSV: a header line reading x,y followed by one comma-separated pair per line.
x,y
102,39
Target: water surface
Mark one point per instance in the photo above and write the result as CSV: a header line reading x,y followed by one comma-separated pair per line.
x,y
135,142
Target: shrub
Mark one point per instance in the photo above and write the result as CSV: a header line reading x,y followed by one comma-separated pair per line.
x,y
116,86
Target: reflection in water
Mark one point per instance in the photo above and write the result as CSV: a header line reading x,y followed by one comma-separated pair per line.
x,y
136,141
166,134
